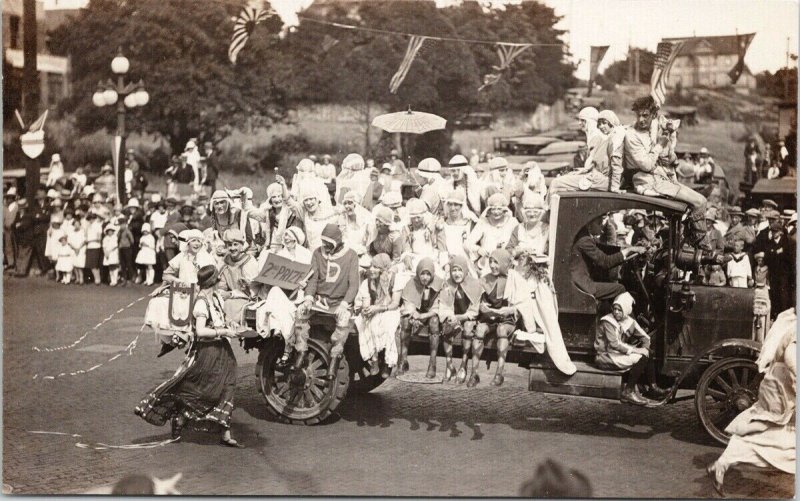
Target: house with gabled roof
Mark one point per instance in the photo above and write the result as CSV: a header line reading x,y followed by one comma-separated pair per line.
x,y
707,62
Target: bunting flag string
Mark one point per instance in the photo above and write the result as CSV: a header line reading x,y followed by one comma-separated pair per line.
x,y
506,52
243,27
411,52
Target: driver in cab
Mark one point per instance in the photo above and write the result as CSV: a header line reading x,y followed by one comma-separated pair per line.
x,y
590,264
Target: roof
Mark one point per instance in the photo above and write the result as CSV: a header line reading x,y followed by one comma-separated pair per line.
x,y
726,44
562,147
657,203
780,185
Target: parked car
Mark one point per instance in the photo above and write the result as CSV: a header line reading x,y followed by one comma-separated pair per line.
x,y
474,121
522,145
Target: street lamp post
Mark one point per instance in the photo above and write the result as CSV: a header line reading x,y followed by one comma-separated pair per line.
x,y
124,95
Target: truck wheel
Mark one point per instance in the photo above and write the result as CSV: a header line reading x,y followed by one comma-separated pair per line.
x,y
303,396
360,379
726,388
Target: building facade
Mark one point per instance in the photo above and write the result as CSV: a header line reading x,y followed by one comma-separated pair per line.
x,y
706,62
54,71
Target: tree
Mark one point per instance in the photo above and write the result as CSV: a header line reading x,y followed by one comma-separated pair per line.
x,y
619,71
777,84
180,51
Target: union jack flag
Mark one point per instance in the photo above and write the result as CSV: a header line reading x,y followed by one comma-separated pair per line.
x,y
506,53
665,56
243,27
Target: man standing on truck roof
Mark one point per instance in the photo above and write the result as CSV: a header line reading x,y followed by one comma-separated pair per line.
x,y
650,153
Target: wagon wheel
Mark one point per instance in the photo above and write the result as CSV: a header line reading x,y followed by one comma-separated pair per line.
x,y
303,396
361,381
726,388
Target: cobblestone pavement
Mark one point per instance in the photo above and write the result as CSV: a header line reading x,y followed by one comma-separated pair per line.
x,y
402,439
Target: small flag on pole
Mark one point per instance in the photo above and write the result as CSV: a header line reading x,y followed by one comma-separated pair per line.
x,y
243,27
39,123
743,43
596,54
665,56
414,45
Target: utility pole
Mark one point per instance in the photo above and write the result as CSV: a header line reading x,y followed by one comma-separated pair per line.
x,y
30,91
786,73
630,66
637,66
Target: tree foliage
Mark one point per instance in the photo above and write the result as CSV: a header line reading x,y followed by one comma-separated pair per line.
x,y
617,72
781,84
180,51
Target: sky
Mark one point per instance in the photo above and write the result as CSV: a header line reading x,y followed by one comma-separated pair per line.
x,y
641,23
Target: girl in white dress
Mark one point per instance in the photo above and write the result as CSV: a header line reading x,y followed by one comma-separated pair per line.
x,y
64,258
146,256
111,254
77,240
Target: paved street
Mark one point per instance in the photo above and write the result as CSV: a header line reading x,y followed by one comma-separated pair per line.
x,y
402,439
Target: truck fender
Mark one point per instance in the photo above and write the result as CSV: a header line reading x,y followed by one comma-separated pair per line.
x,y
748,344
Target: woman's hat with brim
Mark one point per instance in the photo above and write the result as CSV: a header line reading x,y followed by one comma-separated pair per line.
x,y
207,276
429,167
187,235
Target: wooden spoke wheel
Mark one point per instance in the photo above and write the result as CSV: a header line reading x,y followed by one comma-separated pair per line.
x,y
304,395
361,381
726,388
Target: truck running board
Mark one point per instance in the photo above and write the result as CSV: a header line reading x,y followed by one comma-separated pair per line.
x,y
588,381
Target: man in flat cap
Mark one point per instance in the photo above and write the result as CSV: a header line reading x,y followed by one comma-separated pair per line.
x,y
737,230
779,256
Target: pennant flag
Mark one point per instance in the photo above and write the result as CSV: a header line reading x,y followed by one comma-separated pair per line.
x,y
743,43
243,27
506,52
596,54
665,56
414,45
39,123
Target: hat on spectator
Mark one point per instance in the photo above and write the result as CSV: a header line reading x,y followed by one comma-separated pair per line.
x,y
332,234
187,210
429,167
233,235
312,158
789,212
753,213
23,202
769,203
55,158
51,193
133,202
758,254
187,235
207,276
416,207
97,198
353,161
12,192
110,228
297,234
174,201
456,196
190,144
394,153
146,228
392,199
498,163
384,215
155,198
704,151
274,190
711,215
772,214
458,161
106,168
735,211
387,166
497,201
588,113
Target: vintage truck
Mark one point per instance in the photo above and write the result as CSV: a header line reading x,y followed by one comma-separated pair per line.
x,y
705,339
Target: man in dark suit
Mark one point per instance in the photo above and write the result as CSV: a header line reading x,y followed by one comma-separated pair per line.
x,y
590,265
779,256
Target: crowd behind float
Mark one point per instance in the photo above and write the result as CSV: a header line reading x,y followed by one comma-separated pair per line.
x,y
467,255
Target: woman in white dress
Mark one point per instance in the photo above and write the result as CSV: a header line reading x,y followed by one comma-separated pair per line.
x,y
493,231
146,257
182,269
453,229
534,231
276,314
65,258
764,435
377,308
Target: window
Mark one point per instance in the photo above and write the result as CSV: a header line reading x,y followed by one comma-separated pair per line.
x,y
13,26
